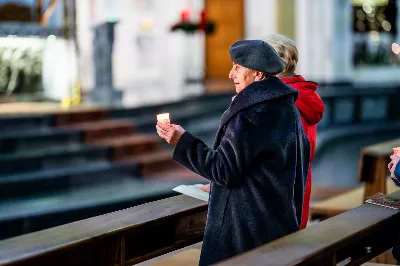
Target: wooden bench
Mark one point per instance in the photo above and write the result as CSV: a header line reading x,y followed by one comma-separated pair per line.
x,y
373,166
355,236
144,233
373,172
120,238
341,203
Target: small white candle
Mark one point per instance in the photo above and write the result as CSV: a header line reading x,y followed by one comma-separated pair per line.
x,y
163,118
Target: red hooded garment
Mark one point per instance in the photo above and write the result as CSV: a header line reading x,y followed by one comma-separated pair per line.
x,y
311,109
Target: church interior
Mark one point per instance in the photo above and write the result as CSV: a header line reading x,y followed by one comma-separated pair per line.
x,y
86,180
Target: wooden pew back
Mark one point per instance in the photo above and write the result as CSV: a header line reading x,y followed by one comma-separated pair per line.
x,y
119,238
373,166
354,237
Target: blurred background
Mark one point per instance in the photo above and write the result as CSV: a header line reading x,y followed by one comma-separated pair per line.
x,y
82,81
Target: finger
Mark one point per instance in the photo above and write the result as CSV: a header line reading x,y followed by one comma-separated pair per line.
x,y
163,126
161,134
161,129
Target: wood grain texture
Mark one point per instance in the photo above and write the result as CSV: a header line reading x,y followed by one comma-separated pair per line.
x,y
146,231
361,233
229,18
343,202
373,166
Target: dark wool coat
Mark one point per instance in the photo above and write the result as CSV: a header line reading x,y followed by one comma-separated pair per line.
x,y
258,168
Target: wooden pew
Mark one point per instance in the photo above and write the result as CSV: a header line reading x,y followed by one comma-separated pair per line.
x,y
144,232
120,238
355,236
373,172
373,166
343,202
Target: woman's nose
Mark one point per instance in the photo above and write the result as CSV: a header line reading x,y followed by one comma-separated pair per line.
x,y
230,75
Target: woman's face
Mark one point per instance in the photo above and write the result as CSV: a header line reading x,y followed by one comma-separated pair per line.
x,y
242,76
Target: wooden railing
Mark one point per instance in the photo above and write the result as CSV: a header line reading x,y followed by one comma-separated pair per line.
x,y
144,232
373,173
352,238
121,238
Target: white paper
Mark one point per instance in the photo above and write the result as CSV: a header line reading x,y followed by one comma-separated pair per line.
x,y
193,191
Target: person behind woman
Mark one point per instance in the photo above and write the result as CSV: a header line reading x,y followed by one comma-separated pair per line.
x,y
309,103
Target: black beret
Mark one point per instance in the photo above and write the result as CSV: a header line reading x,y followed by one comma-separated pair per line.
x,y
257,55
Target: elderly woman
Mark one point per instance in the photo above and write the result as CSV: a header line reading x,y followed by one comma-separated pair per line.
x,y
259,163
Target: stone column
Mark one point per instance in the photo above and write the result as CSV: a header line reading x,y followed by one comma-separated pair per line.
x,y
104,91
323,37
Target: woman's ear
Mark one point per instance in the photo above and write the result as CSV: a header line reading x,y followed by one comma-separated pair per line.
x,y
258,75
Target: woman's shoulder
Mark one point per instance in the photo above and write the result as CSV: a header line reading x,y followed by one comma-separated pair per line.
x,y
269,110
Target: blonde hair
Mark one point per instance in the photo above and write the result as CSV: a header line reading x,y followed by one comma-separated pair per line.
x,y
285,48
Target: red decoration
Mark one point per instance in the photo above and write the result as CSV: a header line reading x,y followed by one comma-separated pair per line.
x,y
189,26
203,21
185,14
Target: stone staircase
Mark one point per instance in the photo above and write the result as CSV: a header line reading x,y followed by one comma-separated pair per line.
x,y
65,166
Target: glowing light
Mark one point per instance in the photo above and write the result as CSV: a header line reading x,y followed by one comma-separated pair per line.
x,y
395,48
374,35
367,8
375,2
147,24
163,118
386,25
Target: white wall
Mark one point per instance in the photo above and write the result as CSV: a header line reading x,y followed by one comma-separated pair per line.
x,y
172,55
314,39
325,40
149,65
260,18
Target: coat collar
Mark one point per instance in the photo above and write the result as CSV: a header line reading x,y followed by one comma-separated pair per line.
x,y
257,92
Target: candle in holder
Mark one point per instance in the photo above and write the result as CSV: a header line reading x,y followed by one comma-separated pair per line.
x,y
396,151
163,118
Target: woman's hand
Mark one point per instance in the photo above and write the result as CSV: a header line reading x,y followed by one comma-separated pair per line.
x,y
170,132
205,188
392,165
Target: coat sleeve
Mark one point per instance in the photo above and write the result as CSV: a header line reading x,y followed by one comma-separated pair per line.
x,y
245,138
397,173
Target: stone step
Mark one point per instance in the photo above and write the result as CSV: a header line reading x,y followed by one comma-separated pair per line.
x,y
97,130
51,157
75,116
22,140
127,146
177,173
21,216
183,113
62,178
24,122
154,162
